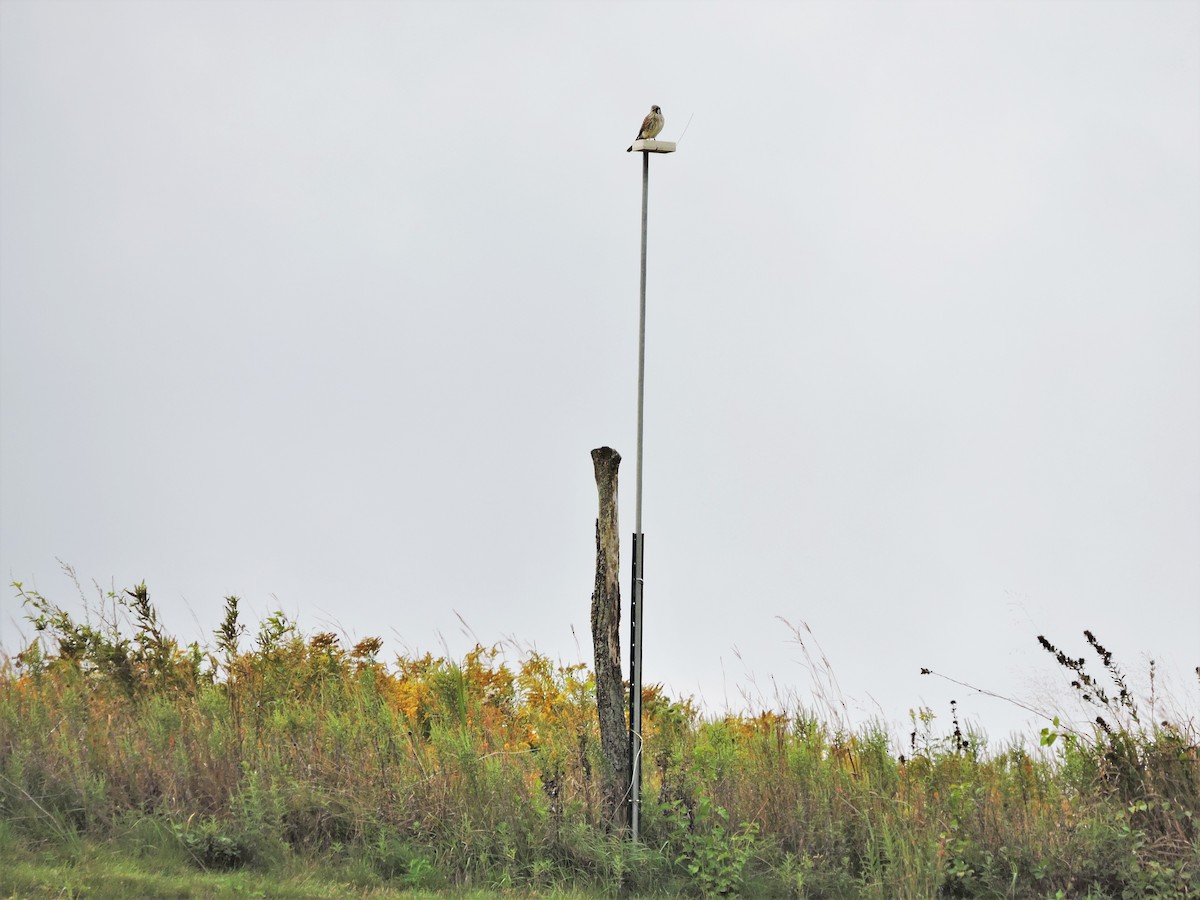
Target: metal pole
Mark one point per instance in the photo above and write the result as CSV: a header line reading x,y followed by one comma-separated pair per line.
x,y
642,338
635,667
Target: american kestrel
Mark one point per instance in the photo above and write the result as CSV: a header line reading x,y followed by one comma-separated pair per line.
x,y
651,126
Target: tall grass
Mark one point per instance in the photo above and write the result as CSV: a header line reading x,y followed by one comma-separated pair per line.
x,y
480,773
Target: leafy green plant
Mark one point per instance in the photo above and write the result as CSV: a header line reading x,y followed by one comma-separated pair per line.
x,y
714,854
211,845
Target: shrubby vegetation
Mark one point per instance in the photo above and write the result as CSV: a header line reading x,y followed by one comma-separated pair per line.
x,y
477,774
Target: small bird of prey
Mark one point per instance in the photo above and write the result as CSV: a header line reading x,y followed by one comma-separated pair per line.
x,y
651,126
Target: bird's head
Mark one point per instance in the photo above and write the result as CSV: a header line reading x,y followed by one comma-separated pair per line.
x,y
655,109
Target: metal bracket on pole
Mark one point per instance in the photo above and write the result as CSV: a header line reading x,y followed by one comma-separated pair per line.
x,y
635,688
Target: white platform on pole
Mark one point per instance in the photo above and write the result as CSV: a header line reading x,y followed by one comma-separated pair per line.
x,y
654,146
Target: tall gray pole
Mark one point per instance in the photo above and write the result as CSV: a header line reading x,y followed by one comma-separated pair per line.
x,y
642,339
635,668
639,541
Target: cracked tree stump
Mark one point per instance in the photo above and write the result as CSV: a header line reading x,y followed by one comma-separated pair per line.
x,y
606,644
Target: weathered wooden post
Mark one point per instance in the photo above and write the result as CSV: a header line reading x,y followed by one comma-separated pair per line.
x,y
606,644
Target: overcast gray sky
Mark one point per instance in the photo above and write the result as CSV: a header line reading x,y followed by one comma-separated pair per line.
x,y
325,304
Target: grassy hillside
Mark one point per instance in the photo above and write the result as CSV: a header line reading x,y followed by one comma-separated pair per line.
x,y
285,764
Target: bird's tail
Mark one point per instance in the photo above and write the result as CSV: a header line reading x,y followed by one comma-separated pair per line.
x,y
629,149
